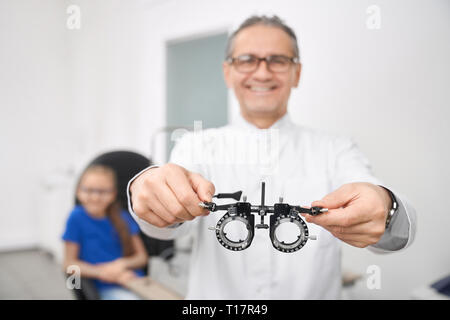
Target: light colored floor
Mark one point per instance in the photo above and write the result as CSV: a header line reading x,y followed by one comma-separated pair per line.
x,y
31,274
34,275
173,275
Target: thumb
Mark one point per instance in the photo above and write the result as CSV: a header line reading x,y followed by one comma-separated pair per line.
x,y
204,188
336,199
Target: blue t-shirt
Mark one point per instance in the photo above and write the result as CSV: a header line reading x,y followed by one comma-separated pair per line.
x,y
98,239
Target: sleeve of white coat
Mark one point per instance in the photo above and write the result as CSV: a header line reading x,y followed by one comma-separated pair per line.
x,y
348,164
181,155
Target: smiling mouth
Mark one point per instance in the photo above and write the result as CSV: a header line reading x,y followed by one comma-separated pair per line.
x,y
261,89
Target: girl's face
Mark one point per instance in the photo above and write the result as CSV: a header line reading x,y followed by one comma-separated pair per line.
x,y
96,192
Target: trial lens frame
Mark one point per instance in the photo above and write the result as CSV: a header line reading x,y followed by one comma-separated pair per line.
x,y
242,211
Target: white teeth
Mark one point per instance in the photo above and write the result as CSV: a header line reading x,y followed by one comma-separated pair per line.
x,y
260,89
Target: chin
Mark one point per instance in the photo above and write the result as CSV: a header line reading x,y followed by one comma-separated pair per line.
x,y
96,212
263,110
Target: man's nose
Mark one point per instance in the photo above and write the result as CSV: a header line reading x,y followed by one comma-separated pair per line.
x,y
262,72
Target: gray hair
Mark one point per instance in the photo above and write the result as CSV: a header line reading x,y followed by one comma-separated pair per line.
x,y
273,21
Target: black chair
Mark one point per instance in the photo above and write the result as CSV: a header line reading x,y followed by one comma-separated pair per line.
x,y
87,291
126,165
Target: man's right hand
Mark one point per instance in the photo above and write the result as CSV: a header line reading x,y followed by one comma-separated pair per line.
x,y
169,194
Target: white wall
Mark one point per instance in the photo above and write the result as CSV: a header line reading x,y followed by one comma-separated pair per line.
x,y
68,94
32,111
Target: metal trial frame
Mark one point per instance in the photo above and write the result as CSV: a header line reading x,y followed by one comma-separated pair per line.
x,y
243,212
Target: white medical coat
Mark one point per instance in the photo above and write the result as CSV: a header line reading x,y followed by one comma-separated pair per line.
x,y
297,163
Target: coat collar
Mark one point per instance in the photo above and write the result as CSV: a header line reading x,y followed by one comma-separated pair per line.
x,y
283,123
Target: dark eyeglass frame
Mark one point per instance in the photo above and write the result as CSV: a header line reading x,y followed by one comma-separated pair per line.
x,y
268,60
100,192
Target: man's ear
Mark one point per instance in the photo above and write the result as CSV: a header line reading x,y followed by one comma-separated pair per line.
x,y
298,71
226,67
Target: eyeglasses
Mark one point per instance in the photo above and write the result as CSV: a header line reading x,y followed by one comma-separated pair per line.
x,y
249,63
92,191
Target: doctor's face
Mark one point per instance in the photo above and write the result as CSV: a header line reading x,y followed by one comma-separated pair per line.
x,y
262,92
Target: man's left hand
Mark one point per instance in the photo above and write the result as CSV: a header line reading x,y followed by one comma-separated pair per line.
x,y
356,213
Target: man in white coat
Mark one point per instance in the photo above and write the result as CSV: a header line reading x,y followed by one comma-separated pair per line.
x,y
304,166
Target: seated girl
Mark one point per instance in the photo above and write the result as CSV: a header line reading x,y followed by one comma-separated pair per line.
x,y
100,238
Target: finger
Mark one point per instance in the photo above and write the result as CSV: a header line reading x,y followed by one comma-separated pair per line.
x,y
205,189
361,239
175,208
343,217
357,239
351,237
161,210
357,244
362,228
337,199
141,209
180,185
154,219
126,276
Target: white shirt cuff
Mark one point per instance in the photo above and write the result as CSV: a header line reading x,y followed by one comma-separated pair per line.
x,y
400,233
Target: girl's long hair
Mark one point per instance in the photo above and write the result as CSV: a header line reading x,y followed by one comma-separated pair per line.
x,y
114,210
